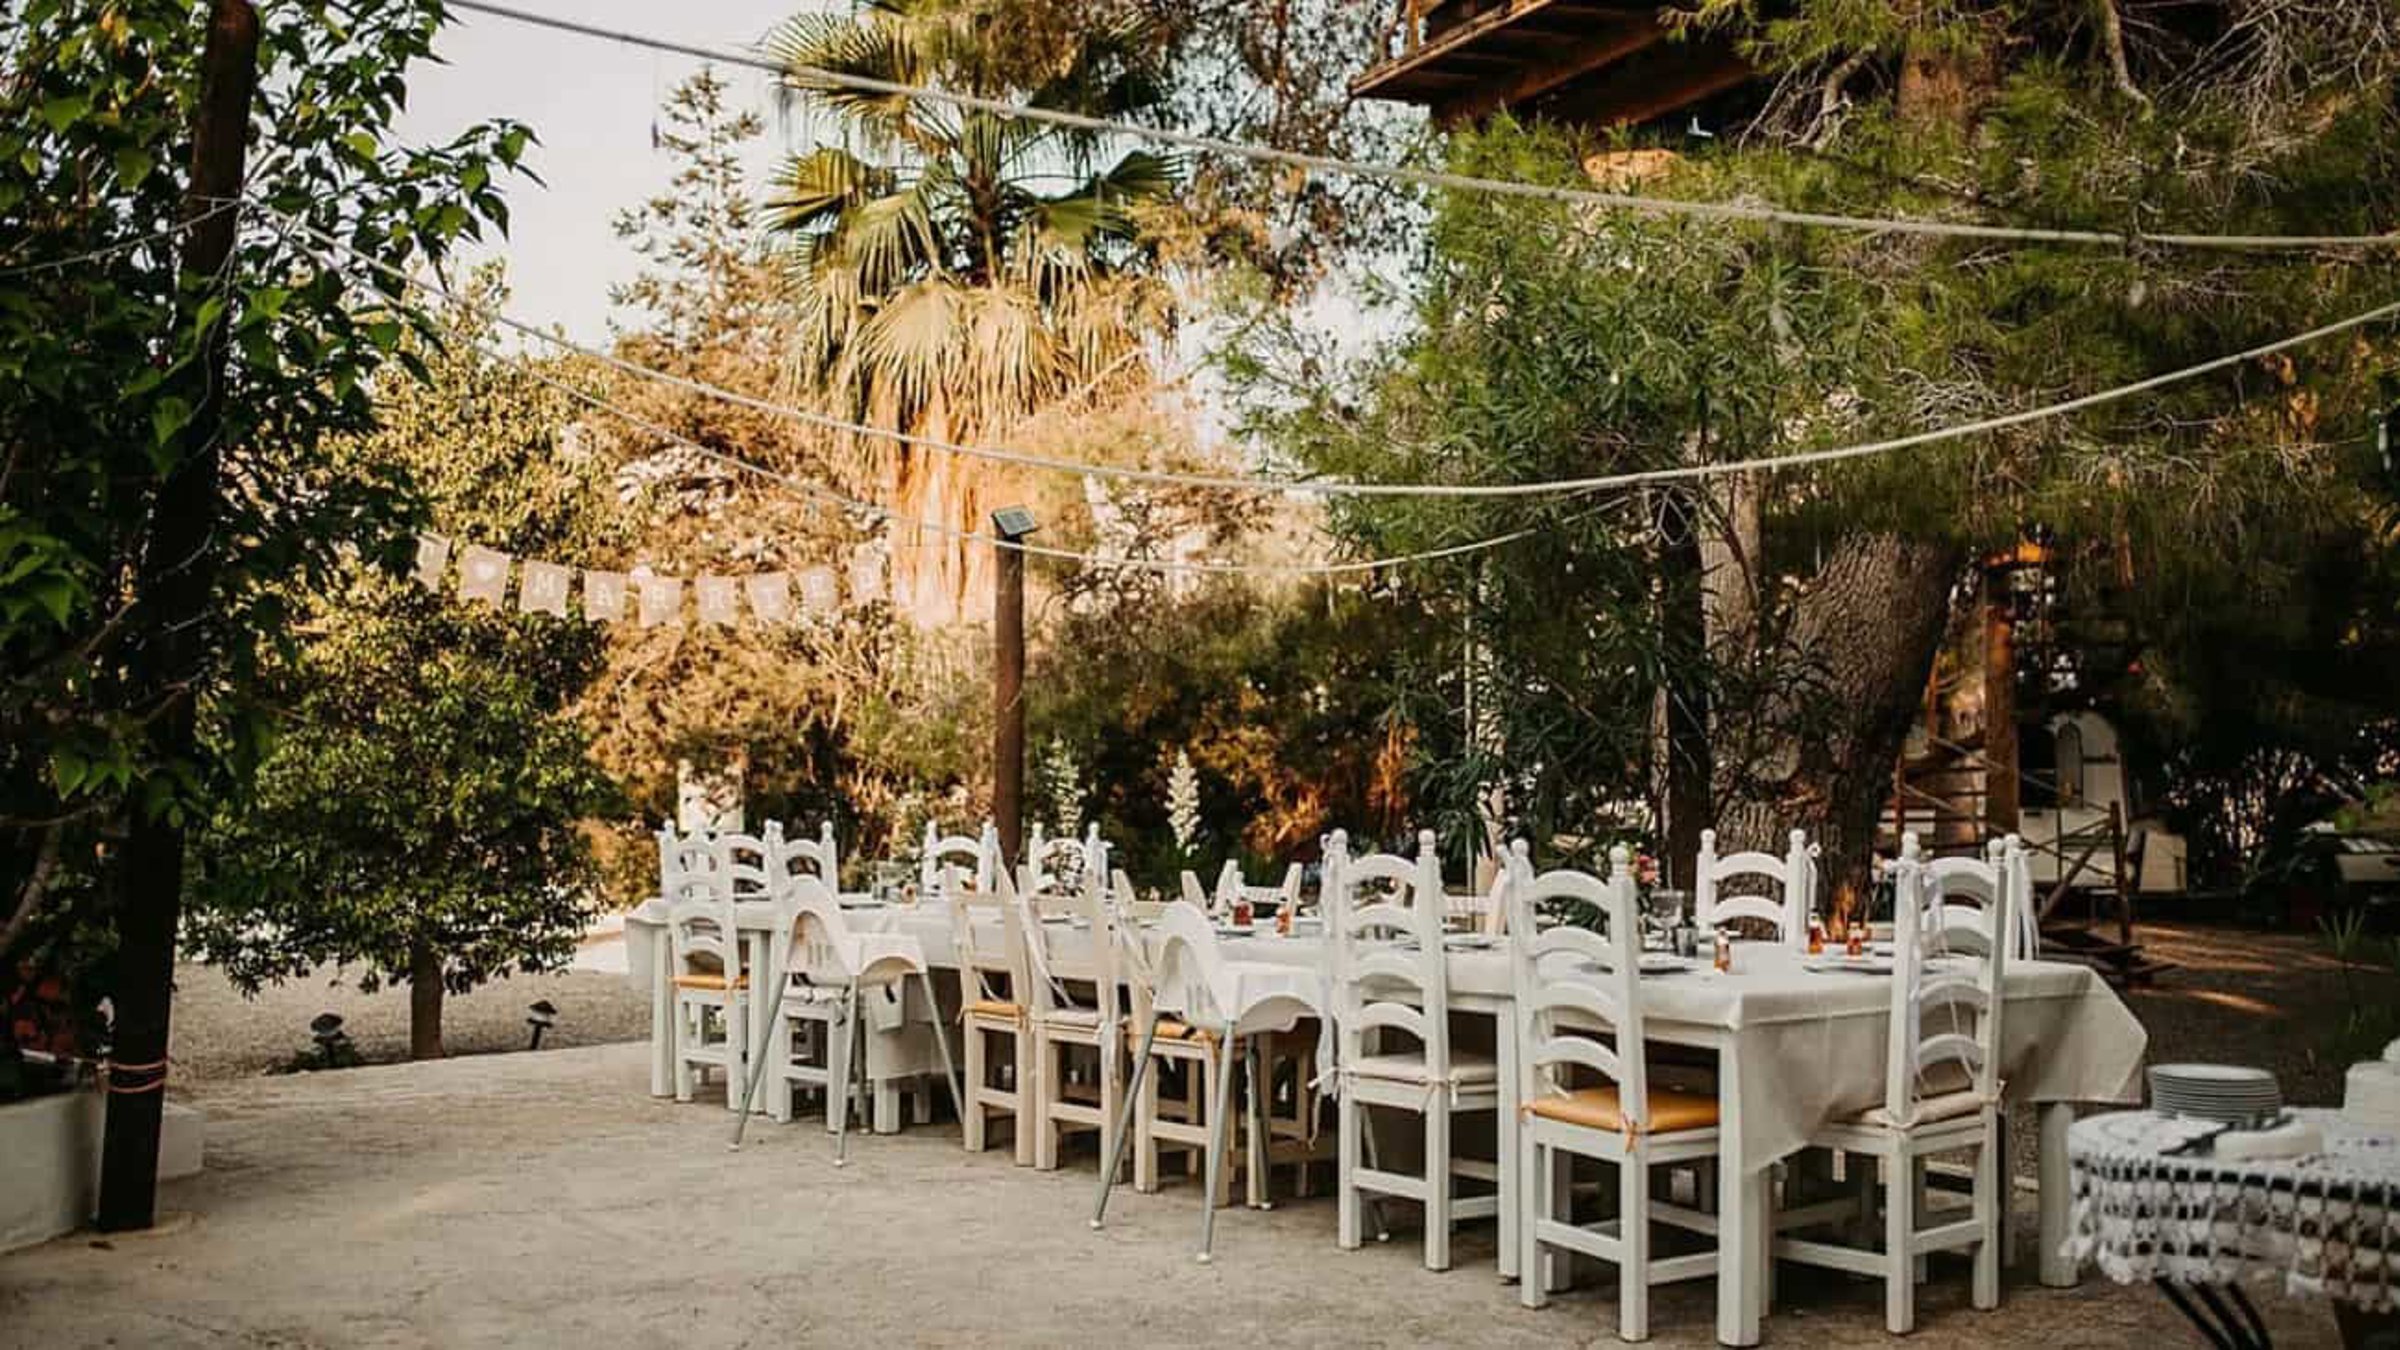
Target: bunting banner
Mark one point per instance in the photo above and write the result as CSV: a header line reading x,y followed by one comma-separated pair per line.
x,y
543,588
482,575
651,599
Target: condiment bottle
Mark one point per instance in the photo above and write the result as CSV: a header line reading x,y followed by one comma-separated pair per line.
x,y
1856,946
1241,913
1283,920
1724,952
1816,937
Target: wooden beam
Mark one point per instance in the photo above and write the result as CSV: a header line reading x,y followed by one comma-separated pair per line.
x,y
1612,43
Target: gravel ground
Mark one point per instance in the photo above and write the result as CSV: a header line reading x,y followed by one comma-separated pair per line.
x,y
219,1034
538,1200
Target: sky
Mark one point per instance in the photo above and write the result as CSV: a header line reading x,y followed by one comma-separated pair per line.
x,y
591,104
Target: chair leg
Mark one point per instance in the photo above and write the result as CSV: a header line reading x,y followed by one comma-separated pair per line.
x,y
837,1079
971,1112
1899,1268
1145,1119
1028,1091
1991,1205
1345,1181
1534,1164
1438,1125
1219,1121
679,1040
1116,1155
1633,1256
1257,1151
1049,1069
1366,1128
778,1059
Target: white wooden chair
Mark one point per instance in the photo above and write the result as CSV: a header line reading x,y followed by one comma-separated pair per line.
x,y
1198,896
989,938
821,942
1792,878
1941,1095
1056,863
707,976
791,858
1578,997
1195,985
1066,1028
1232,887
976,857
1391,974
1950,882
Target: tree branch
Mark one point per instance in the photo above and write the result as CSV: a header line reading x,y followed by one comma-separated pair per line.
x,y
2112,38
29,896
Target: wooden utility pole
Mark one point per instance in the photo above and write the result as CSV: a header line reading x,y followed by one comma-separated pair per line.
x,y
2000,778
1008,683
177,575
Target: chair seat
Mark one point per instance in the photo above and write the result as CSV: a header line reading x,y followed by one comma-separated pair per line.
x,y
1930,1110
1169,1029
1598,1108
1072,1019
708,981
998,1009
812,993
1465,1067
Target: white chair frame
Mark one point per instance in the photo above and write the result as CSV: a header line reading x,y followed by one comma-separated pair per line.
x,y
1794,875
1578,1002
1929,1003
941,853
986,1012
1379,985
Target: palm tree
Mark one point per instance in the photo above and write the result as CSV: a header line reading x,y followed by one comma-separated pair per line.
x,y
958,271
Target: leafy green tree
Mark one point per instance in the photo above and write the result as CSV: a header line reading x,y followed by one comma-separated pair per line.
x,y
1556,341
419,813
101,343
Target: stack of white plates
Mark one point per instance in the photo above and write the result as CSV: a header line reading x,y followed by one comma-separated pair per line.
x,y
2226,1092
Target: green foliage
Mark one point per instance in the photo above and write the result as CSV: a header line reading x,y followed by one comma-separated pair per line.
x,y
427,786
2370,989
1548,341
98,389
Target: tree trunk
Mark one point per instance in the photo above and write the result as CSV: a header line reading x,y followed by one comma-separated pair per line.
x,y
424,1000
1685,759
1815,748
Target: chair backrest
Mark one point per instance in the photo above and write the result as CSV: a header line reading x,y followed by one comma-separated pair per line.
x,y
1191,978
822,947
804,857
1389,967
1194,895
1232,887
2006,865
1792,878
1470,910
1055,952
747,861
1059,864
682,855
1950,963
702,938
1591,976
976,857
989,936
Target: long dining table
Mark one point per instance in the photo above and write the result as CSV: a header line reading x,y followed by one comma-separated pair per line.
x,y
1796,1048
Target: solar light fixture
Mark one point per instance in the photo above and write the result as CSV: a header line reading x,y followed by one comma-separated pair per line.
x,y
542,1016
333,1043
1014,522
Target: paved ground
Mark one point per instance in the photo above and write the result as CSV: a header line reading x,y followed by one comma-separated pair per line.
x,y
502,1199
544,1200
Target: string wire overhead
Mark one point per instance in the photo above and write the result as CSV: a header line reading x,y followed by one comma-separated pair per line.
x,y
1436,178
1352,488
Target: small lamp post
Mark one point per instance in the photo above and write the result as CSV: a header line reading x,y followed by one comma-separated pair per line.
x,y
1011,524
333,1043
542,1016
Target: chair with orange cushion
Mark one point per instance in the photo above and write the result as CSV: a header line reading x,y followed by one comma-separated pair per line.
x,y
1578,1000
709,981
990,943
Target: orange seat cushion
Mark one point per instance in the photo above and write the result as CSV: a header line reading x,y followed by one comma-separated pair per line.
x,y
1170,1030
709,982
1599,1109
999,1009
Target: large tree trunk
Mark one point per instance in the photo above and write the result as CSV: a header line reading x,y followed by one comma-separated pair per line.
x,y
424,1000
1831,703
1684,762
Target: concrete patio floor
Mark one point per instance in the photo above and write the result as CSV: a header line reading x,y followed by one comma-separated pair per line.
x,y
539,1200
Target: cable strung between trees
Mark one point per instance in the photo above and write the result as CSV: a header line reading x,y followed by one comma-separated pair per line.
x,y
124,245
1436,178
821,492
1346,488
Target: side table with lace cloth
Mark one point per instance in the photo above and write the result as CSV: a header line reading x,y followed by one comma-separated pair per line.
x,y
2152,1202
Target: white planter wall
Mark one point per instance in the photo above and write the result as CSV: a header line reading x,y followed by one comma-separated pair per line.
x,y
50,1162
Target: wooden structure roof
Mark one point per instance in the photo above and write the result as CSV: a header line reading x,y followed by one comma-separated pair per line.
x,y
1587,62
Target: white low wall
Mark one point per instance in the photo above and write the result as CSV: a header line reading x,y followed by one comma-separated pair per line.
x,y
50,1162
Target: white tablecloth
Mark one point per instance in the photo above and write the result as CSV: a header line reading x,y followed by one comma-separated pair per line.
x,y
1812,1045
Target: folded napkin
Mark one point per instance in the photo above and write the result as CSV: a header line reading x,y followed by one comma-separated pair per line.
x,y
2292,1139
